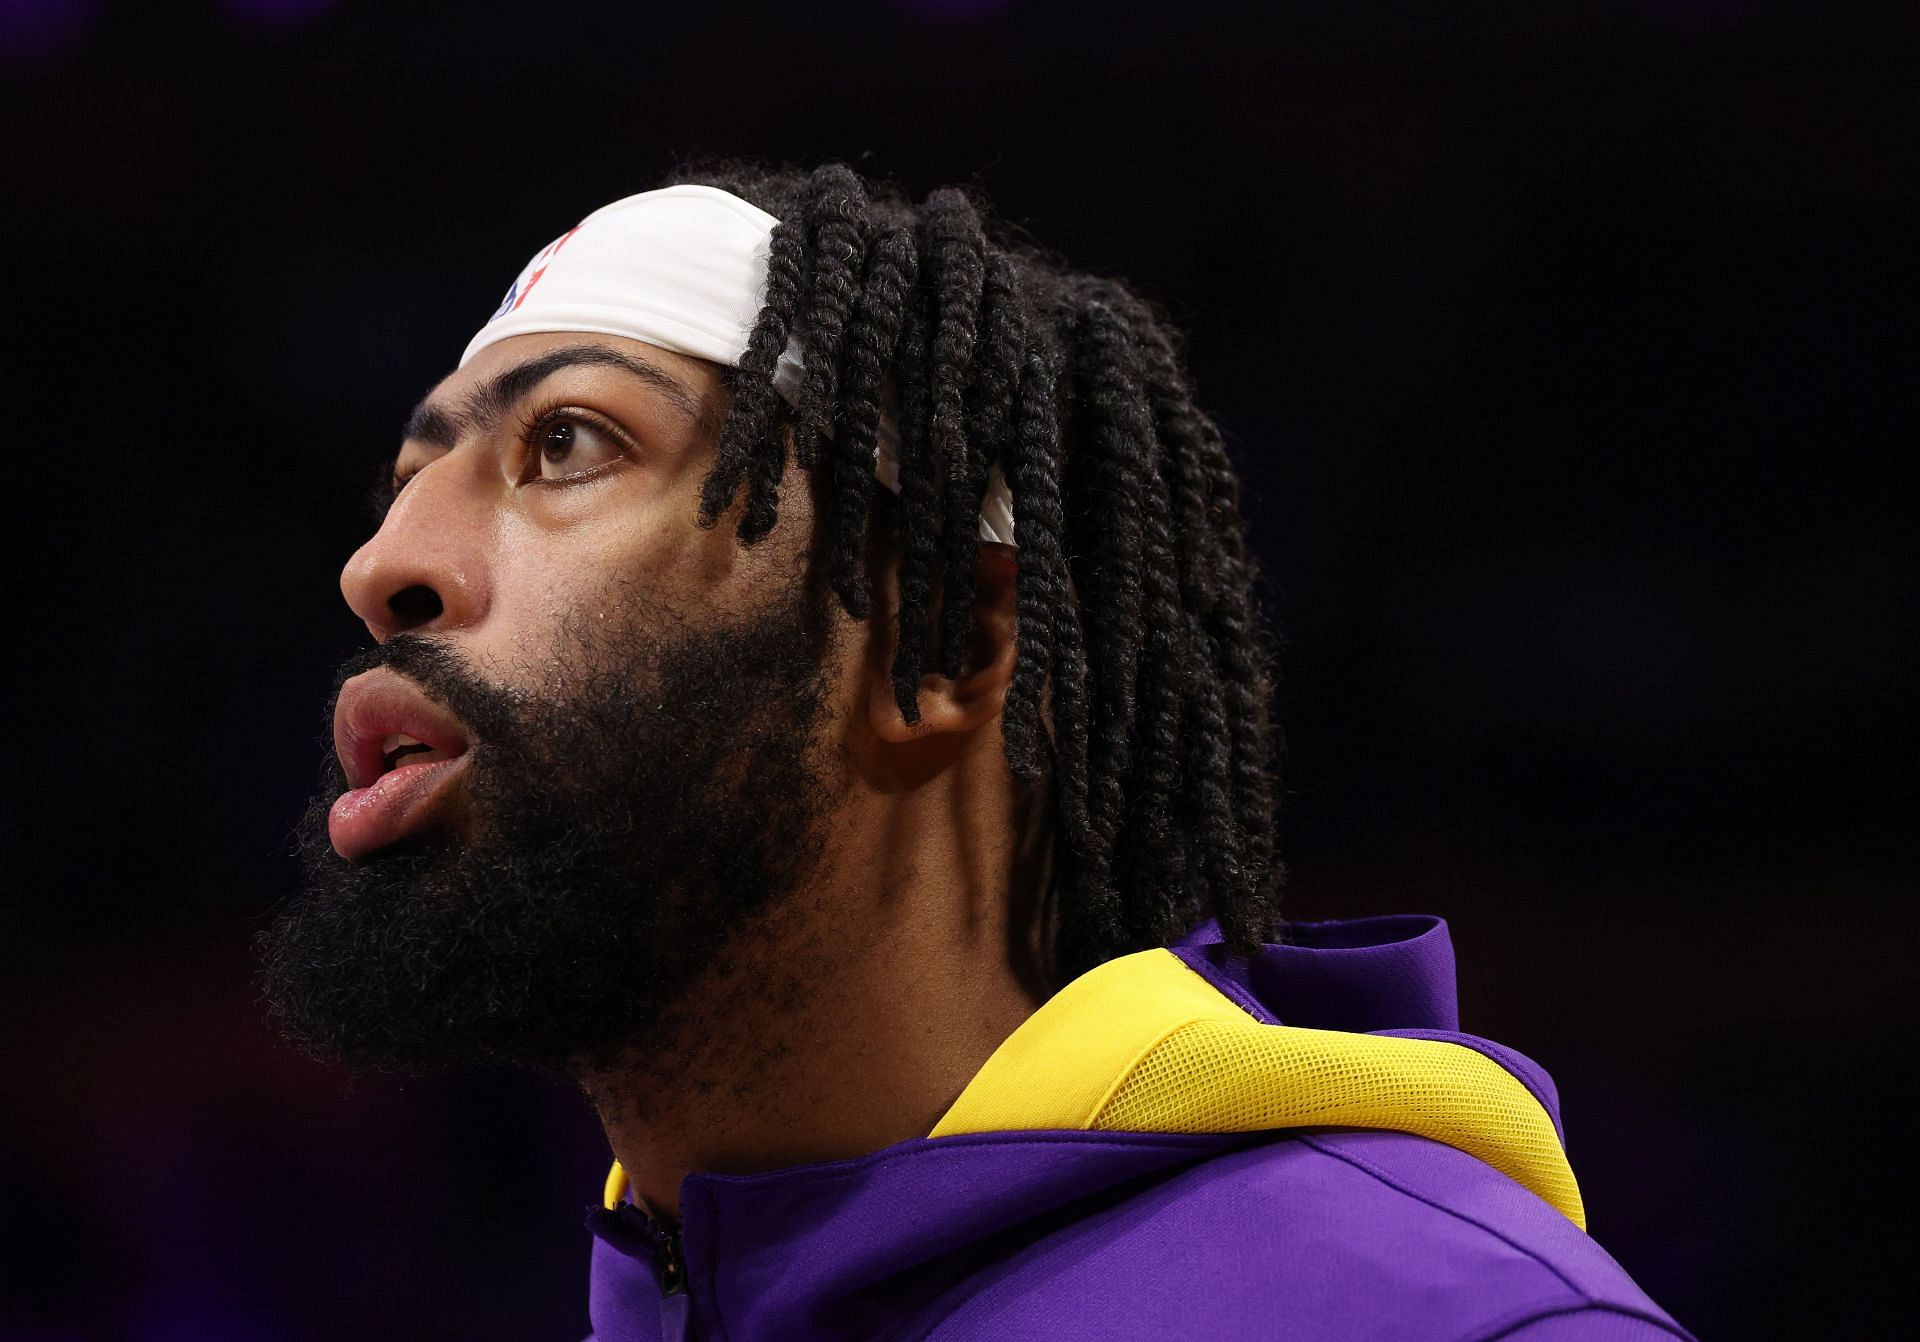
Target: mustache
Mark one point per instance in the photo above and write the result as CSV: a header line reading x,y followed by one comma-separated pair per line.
x,y
441,673
419,657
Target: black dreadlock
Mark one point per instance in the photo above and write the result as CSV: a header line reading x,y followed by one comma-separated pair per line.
x,y
1137,626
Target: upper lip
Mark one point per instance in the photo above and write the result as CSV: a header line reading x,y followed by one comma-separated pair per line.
x,y
380,703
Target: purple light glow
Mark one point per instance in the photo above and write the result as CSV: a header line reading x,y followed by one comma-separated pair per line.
x,y
32,31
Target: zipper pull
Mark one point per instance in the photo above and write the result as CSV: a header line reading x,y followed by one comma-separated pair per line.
x,y
673,1275
663,1242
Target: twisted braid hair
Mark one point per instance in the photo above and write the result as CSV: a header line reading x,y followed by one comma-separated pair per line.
x,y
1140,641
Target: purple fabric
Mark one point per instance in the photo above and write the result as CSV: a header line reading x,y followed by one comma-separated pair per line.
x,y
1590,1323
1070,1235
1364,974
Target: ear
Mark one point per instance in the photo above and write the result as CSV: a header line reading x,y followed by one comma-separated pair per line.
x,y
973,698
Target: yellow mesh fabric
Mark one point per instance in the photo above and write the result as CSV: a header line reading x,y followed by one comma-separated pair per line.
x,y
1144,1044
1225,1076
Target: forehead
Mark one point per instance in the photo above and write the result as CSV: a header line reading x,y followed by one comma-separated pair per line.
x,y
476,398
697,376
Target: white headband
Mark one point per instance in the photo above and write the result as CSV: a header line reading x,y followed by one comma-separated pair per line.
x,y
683,268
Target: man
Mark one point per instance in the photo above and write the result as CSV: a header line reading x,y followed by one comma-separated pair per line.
x,y
819,706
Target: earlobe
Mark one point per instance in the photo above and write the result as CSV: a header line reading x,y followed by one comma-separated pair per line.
x,y
972,699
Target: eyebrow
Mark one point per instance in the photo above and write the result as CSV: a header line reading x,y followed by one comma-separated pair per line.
x,y
483,407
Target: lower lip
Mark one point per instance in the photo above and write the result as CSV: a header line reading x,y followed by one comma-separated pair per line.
x,y
397,803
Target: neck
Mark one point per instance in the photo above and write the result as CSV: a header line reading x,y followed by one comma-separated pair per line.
x,y
848,1020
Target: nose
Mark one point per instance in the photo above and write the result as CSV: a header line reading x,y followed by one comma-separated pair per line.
x,y
425,568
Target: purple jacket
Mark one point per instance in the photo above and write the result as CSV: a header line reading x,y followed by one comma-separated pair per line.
x,y
1299,1145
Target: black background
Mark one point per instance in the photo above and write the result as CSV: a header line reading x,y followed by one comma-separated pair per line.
x,y
1564,347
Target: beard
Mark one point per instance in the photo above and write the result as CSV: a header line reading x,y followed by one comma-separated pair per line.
x,y
647,808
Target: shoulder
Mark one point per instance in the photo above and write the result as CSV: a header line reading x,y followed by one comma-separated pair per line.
x,y
1331,1235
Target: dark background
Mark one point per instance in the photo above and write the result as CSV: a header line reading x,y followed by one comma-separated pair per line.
x,y
1564,347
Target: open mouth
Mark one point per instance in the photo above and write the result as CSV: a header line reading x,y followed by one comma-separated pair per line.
x,y
403,755
400,746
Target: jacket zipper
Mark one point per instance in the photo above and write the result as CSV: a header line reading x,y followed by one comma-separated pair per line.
x,y
676,1305
673,1275
664,1244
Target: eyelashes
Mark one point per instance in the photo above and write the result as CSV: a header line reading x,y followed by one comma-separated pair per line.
x,y
381,494
549,436
534,426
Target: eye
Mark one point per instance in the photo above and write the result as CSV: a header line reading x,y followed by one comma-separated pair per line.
x,y
384,492
565,446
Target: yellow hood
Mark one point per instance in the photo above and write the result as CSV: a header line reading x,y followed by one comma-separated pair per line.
x,y
1145,1044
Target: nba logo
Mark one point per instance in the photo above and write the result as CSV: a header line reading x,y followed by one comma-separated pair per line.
x,y
517,292
506,304
538,266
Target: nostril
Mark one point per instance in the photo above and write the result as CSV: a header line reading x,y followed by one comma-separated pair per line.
x,y
415,605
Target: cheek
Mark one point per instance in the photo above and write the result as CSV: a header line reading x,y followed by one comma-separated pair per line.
x,y
619,560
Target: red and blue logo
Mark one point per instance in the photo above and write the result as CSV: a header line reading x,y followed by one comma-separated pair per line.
x,y
517,291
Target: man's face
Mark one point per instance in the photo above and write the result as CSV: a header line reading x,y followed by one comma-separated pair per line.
x,y
547,469
625,717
